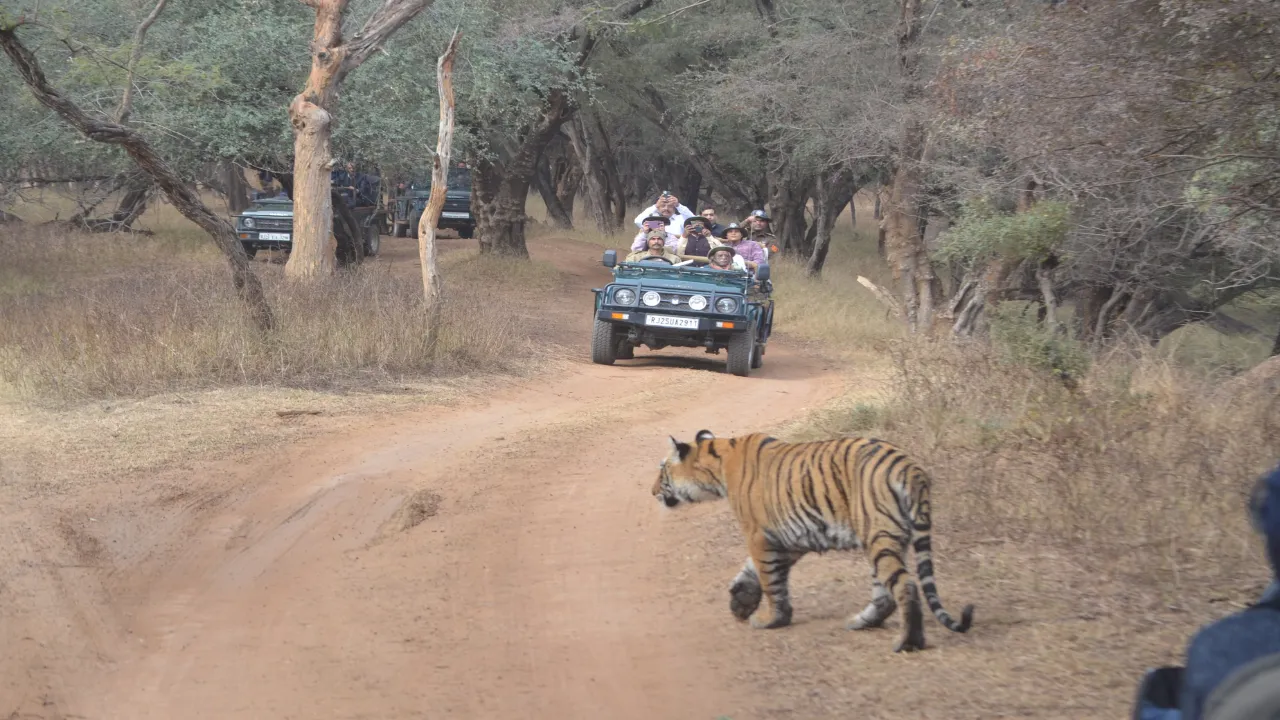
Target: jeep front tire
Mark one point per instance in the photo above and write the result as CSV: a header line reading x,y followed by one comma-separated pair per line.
x,y
741,351
604,343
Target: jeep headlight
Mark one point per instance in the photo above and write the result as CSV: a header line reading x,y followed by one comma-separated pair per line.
x,y
624,296
726,305
247,222
698,302
651,298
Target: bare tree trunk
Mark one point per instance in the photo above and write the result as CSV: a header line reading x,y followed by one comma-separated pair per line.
x,y
594,175
141,152
904,223
1275,347
556,212
314,245
234,187
787,196
1044,276
431,284
832,193
610,167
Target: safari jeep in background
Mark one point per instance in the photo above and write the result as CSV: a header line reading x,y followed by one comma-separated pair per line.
x,y
456,215
657,304
268,225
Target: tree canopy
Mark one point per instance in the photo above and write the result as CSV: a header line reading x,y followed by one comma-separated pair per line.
x,y
1140,136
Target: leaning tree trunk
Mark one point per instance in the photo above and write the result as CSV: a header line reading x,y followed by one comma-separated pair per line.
x,y
832,193
595,178
140,151
431,284
499,189
610,168
234,188
556,211
133,204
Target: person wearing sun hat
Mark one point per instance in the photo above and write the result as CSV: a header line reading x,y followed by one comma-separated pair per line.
x,y
697,240
723,257
1233,665
748,249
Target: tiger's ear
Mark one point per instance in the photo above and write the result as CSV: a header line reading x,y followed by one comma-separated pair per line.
x,y
679,450
703,435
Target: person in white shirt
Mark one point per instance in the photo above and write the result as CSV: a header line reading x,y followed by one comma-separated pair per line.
x,y
669,206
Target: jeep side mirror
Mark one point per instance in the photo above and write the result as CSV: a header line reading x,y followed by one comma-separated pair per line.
x,y
610,258
762,272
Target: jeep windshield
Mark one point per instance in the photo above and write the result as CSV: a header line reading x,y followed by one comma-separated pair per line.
x,y
662,271
272,204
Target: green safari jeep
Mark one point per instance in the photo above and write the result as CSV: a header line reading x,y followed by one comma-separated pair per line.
x,y
657,304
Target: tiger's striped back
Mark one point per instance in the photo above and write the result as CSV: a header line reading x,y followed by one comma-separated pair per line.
x,y
794,498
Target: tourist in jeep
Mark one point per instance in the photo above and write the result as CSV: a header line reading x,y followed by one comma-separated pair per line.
x,y
696,241
735,237
656,239
668,206
716,229
760,228
655,221
724,258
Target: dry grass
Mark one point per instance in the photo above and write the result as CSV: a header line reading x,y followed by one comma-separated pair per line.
x,y
1144,465
91,316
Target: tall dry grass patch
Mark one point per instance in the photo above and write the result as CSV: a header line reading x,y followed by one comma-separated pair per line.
x,y
93,316
833,308
1142,464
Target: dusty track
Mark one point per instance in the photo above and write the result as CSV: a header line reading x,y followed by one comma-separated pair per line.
x,y
500,560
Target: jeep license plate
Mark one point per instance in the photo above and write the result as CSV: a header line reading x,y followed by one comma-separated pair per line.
x,y
455,215
273,236
671,322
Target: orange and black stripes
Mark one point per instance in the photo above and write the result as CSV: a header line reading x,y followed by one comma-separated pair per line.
x,y
795,498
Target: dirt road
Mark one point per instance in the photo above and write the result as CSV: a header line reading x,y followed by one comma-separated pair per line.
x,y
502,559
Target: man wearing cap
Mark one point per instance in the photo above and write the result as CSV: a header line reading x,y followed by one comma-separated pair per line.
x,y
761,231
668,206
655,221
696,241
744,247
1222,647
656,240
724,258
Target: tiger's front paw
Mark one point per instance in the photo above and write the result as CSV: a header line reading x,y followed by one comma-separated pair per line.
x,y
744,597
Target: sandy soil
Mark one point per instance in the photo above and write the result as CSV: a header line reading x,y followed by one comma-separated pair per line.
x,y
503,557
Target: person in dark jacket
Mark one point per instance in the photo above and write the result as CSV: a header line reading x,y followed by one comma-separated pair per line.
x,y
1220,648
695,242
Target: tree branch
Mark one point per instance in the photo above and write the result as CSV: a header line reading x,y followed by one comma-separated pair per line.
x,y
390,17
140,151
135,55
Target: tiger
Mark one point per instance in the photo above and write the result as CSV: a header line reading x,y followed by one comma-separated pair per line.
x,y
795,498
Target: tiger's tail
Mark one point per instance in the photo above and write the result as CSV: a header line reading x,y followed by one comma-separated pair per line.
x,y
922,543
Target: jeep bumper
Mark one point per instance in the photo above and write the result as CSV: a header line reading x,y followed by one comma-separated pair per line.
x,y
639,319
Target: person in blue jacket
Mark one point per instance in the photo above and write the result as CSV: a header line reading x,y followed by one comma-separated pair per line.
x,y
1221,647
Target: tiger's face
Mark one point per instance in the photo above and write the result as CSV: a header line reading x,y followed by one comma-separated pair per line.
x,y
690,473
